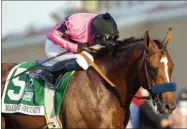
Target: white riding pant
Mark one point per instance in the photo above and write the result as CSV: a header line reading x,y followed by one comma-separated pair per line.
x,y
52,50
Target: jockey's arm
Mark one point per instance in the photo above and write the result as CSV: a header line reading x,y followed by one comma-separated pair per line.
x,y
55,36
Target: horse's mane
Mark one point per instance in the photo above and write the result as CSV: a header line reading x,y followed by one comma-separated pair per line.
x,y
134,40
131,40
125,43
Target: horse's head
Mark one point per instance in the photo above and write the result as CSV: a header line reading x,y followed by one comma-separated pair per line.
x,y
145,63
157,68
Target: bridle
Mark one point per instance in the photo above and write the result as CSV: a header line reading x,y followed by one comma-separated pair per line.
x,y
153,90
151,87
144,62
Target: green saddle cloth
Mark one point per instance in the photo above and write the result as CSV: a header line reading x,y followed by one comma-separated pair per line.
x,y
28,95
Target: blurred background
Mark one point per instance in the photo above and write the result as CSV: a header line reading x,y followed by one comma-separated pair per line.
x,y
25,23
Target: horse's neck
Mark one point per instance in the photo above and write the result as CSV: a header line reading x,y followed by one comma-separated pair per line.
x,y
125,71
120,71
135,58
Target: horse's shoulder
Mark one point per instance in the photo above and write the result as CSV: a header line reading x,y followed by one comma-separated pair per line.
x,y
79,76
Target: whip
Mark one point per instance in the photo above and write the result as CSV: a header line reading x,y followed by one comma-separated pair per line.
x,y
39,64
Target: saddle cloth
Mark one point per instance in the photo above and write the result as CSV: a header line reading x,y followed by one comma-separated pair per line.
x,y
31,96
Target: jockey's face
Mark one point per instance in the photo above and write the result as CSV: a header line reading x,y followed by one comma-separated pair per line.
x,y
105,40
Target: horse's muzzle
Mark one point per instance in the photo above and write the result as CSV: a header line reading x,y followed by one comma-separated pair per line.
x,y
166,104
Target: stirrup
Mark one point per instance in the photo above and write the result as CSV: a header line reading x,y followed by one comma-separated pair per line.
x,y
48,78
55,85
51,86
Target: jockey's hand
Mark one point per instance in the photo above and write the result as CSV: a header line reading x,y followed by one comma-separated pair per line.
x,y
85,47
82,47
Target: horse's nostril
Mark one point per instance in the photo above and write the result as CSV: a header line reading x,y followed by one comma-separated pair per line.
x,y
167,106
170,106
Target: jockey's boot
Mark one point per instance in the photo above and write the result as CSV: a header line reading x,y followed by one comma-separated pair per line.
x,y
52,73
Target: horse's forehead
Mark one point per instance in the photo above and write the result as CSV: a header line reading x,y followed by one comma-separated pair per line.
x,y
162,58
170,62
159,57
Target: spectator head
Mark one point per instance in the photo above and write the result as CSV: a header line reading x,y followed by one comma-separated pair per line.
x,y
183,95
182,101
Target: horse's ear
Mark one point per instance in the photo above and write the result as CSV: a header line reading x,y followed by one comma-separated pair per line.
x,y
147,40
167,37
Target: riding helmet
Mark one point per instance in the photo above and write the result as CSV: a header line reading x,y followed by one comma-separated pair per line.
x,y
104,28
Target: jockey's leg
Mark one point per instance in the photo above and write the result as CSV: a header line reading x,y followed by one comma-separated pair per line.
x,y
59,63
65,63
60,67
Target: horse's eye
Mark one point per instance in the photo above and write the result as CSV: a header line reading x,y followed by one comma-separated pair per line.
x,y
153,70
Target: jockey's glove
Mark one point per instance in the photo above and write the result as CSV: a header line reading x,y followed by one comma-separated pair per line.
x,y
82,47
85,47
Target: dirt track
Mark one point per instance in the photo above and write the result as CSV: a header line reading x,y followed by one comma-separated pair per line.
x,y
177,46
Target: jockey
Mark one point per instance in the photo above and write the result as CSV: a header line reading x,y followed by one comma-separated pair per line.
x,y
75,34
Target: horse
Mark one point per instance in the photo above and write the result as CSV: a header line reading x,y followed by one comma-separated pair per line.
x,y
90,102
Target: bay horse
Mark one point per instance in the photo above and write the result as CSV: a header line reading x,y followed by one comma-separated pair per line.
x,y
91,103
